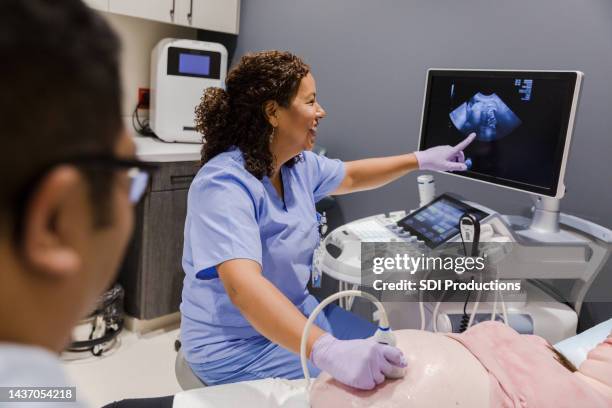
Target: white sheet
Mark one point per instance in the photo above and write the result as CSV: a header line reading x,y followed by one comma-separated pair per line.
x,y
268,393
577,347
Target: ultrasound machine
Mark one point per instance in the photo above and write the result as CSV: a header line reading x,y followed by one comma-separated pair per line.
x,y
524,122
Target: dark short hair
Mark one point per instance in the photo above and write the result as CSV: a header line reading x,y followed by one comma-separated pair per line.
x,y
59,94
235,117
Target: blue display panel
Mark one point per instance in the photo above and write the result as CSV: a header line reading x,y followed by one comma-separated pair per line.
x,y
188,62
194,64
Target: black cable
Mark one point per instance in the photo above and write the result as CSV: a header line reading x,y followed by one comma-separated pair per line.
x,y
88,345
466,302
141,127
465,319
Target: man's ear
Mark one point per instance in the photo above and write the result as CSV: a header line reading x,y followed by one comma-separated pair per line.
x,y
45,245
270,109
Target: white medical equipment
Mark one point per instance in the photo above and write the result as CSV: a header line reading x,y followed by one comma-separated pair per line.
x,y
524,123
180,71
577,253
427,189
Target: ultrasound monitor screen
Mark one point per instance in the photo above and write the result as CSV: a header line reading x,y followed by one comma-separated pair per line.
x,y
520,118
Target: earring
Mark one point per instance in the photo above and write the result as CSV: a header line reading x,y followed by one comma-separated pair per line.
x,y
272,135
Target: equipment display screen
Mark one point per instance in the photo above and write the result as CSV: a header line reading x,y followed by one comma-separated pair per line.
x,y
194,64
188,62
520,118
438,221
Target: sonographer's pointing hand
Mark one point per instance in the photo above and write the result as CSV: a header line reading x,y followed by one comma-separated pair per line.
x,y
445,158
360,364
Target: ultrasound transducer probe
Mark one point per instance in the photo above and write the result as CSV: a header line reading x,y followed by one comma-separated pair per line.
x,y
469,227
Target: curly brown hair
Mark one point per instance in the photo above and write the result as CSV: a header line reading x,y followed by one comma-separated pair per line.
x,y
235,117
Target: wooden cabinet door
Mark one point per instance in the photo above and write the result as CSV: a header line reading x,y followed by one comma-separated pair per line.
x,y
212,15
162,272
158,10
152,273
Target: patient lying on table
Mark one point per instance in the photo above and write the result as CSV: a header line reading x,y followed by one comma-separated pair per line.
x,y
490,365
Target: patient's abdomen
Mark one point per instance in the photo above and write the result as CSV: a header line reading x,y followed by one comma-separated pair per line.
x,y
440,373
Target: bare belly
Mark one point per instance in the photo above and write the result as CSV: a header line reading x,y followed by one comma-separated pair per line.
x,y
441,373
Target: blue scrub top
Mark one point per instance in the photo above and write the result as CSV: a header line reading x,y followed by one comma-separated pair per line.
x,y
231,214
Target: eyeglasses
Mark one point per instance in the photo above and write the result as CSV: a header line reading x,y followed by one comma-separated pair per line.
x,y
139,180
138,171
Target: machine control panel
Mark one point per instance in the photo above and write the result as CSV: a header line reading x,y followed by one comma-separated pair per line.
x,y
433,224
438,221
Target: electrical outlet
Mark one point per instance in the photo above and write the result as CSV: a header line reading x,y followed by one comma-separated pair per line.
x,y
143,98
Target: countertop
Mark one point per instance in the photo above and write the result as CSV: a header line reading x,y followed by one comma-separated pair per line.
x,y
150,149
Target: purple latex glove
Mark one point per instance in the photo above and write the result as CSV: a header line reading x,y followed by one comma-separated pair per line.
x,y
360,364
444,158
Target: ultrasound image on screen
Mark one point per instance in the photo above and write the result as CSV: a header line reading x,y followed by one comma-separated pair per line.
x,y
520,120
487,115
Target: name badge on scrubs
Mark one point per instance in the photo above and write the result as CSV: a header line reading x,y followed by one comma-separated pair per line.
x,y
317,272
317,256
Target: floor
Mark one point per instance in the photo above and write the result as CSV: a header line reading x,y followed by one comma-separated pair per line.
x,y
138,366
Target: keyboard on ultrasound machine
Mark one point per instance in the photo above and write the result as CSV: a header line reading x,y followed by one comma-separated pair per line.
x,y
374,231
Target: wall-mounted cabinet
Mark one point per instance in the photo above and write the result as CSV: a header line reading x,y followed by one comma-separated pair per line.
x,y
158,10
98,4
212,15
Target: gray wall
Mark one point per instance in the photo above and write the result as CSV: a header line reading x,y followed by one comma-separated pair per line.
x,y
369,59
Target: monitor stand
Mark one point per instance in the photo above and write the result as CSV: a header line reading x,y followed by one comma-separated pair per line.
x,y
544,226
545,217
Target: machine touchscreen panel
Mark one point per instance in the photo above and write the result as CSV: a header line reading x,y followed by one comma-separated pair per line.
x,y
438,221
195,63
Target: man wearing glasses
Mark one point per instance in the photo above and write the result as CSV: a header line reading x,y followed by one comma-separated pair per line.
x,y
68,180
